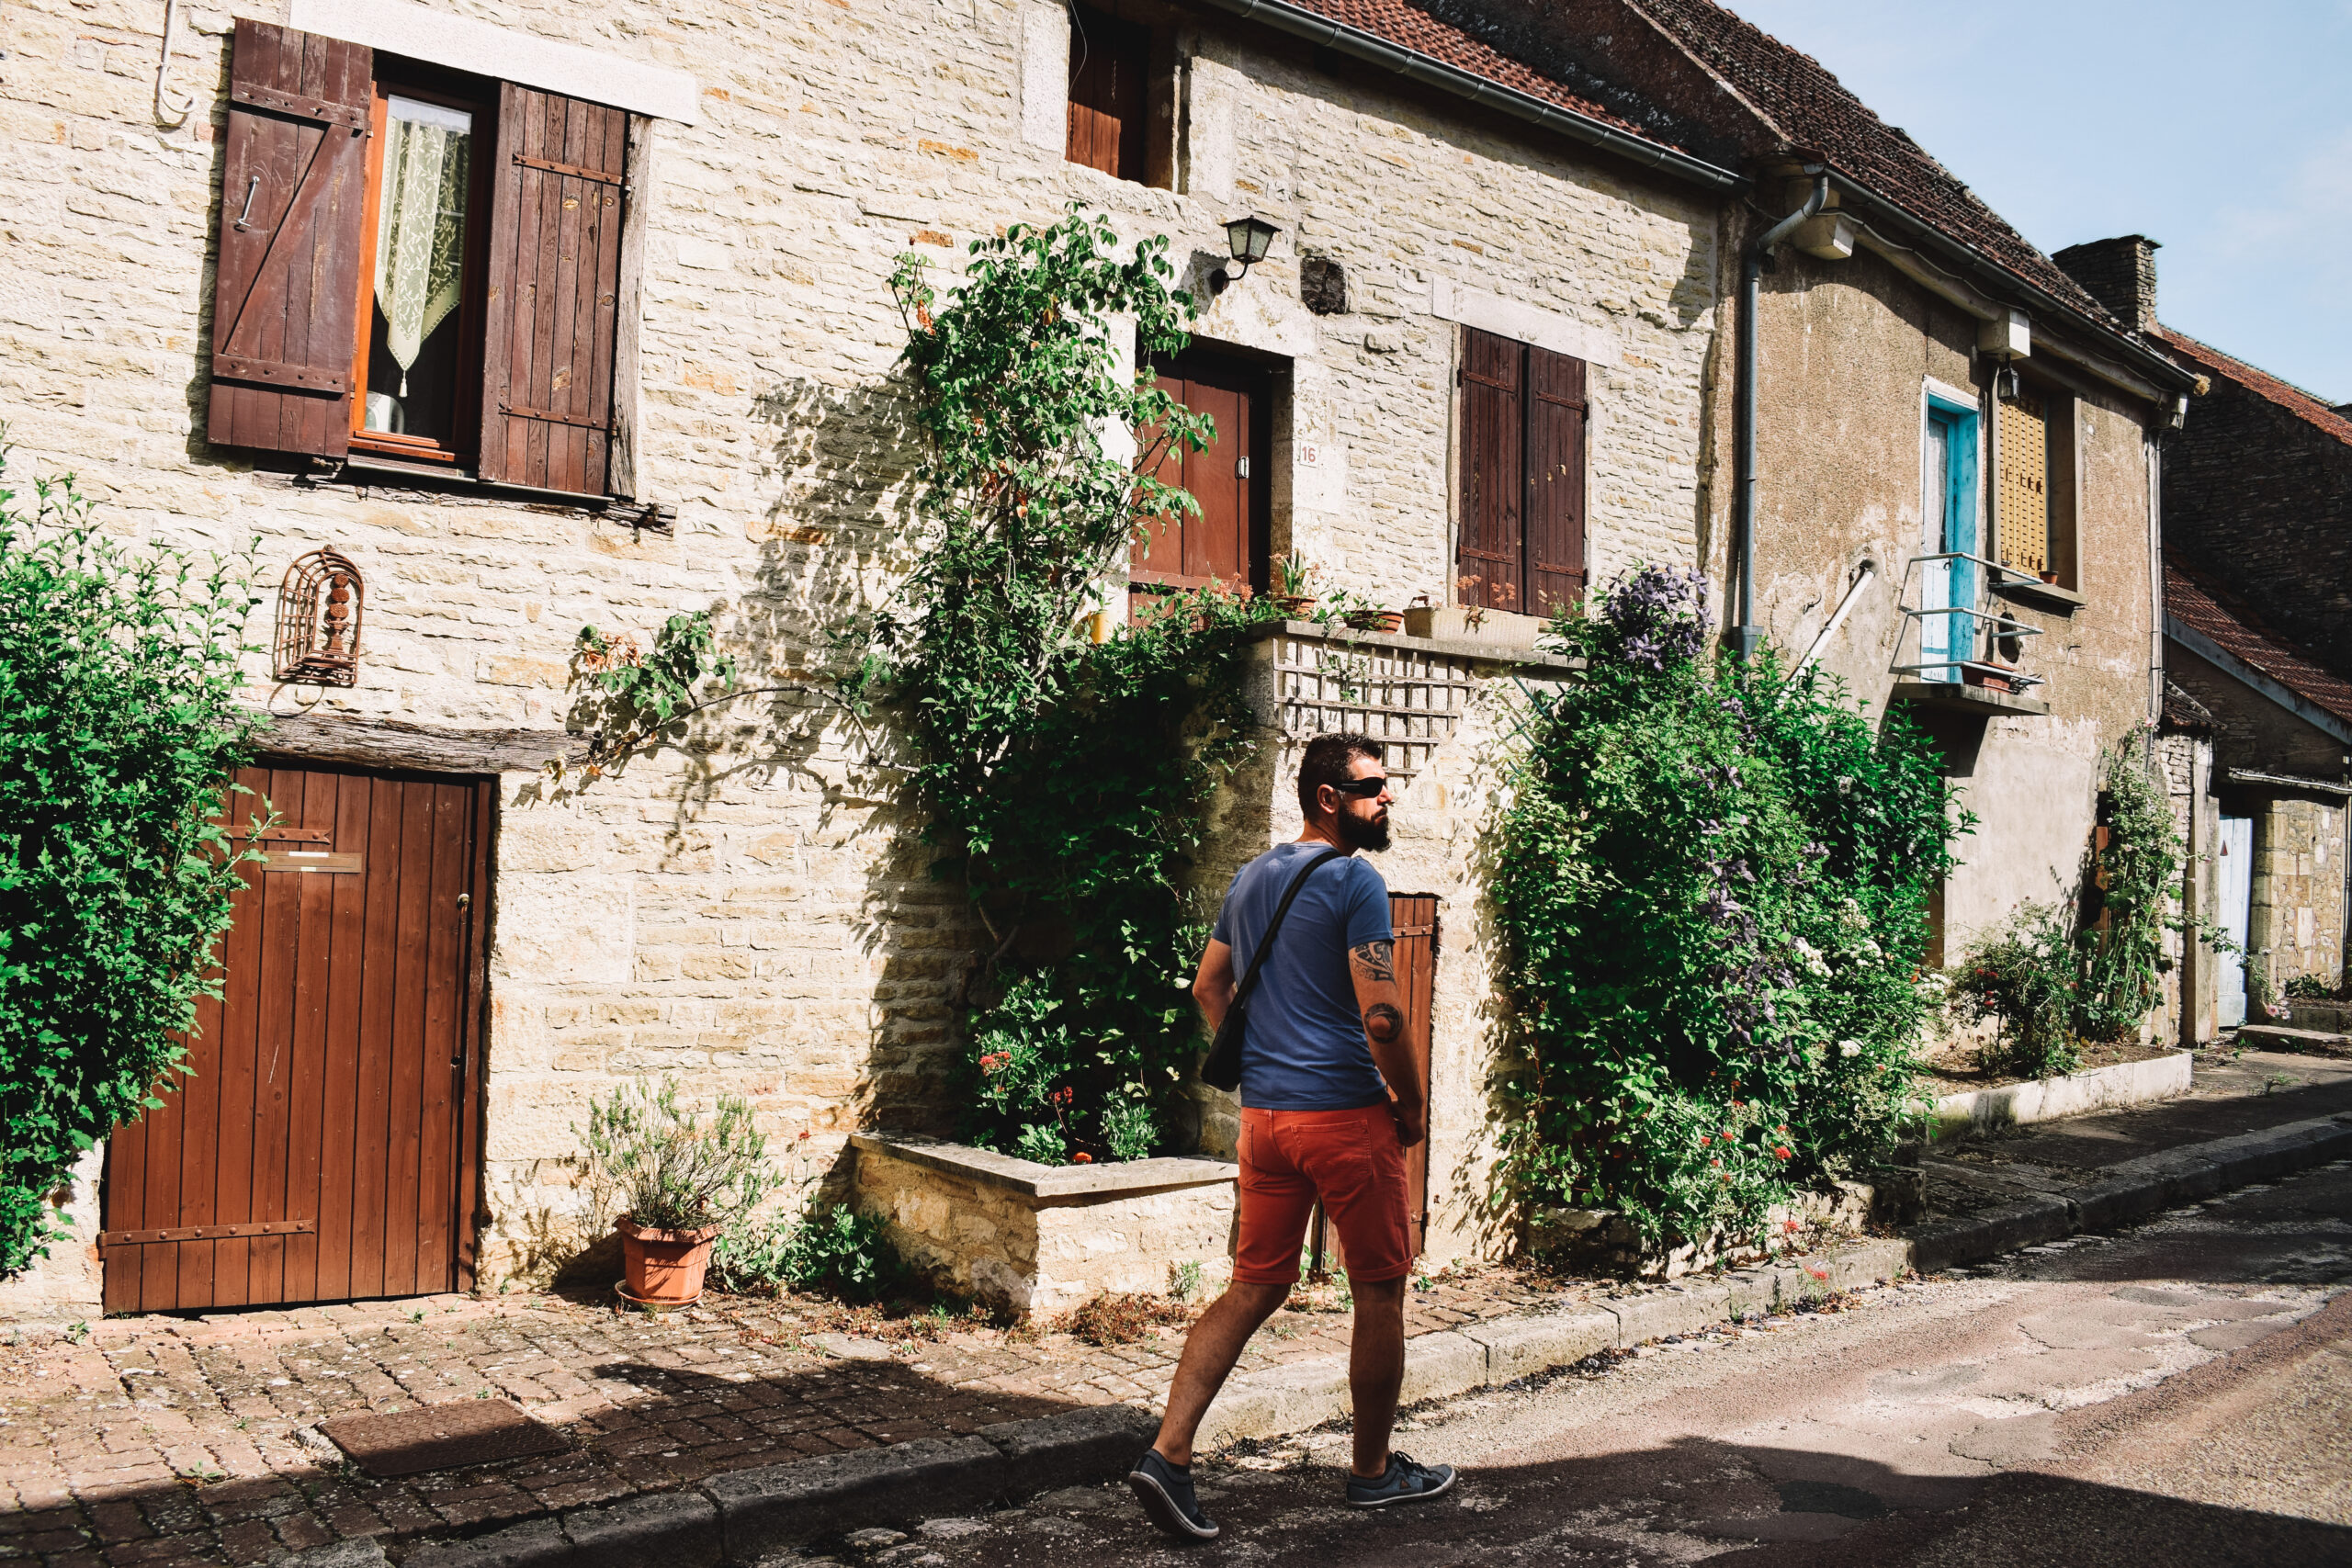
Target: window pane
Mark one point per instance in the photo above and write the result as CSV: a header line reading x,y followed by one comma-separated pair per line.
x,y
419,270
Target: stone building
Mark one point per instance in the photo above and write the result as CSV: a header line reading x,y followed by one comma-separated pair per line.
x,y
662,381
501,320
1927,384
2257,543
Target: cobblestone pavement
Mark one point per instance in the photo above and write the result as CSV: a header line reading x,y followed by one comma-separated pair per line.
x,y
167,1439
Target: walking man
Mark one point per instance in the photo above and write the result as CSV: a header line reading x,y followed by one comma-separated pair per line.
x,y
1330,1101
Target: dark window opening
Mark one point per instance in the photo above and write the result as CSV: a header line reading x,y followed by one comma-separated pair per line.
x,y
421,250
1110,63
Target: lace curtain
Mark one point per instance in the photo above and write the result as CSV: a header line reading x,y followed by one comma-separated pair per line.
x,y
421,234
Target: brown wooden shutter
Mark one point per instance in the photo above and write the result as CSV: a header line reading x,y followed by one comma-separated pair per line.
x,y
1491,548
1109,60
1556,416
2024,478
293,186
555,248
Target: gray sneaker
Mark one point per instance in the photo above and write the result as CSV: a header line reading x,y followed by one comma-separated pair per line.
x,y
1405,1481
1166,1492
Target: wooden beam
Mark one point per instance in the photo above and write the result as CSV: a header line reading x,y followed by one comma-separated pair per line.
x,y
435,749
625,447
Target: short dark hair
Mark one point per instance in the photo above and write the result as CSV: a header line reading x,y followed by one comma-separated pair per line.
x,y
1327,760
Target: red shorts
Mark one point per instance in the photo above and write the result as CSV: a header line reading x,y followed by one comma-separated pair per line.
x,y
1352,1161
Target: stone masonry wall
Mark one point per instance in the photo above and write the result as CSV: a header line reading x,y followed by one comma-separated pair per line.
x,y
2297,905
750,911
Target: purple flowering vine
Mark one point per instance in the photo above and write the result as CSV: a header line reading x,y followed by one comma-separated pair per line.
x,y
1659,616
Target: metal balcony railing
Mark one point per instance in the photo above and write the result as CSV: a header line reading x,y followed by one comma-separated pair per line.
x,y
1958,640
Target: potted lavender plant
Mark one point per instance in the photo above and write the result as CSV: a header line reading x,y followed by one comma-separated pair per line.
x,y
672,1184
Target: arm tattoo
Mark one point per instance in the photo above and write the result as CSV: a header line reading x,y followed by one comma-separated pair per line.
x,y
1383,1024
1377,957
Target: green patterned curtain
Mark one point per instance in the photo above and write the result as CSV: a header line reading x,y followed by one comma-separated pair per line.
x,y
420,235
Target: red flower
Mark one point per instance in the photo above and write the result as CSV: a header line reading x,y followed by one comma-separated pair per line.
x,y
1702,1140
1788,1224
804,1132
1782,1150
1081,1157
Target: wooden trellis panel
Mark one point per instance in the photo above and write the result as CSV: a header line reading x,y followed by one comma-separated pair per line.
x,y
1410,700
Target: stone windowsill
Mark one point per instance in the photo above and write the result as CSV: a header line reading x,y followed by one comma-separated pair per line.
x,y
1050,1186
1494,652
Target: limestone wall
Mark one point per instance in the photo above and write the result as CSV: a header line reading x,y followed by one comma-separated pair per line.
x,y
750,911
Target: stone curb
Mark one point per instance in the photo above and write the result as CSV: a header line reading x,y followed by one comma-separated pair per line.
x,y
743,1514
1975,1113
2131,1191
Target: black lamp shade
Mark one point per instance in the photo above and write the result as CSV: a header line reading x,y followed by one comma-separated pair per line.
x,y
1249,238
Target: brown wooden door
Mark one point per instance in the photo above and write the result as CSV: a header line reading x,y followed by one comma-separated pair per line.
x,y
1413,916
320,1145
1413,919
1226,543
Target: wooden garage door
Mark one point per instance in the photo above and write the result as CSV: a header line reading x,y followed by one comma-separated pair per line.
x,y
318,1147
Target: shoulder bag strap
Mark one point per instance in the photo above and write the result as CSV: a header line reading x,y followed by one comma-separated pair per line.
x,y
1266,943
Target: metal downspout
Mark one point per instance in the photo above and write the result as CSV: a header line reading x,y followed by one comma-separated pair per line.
x,y
1746,634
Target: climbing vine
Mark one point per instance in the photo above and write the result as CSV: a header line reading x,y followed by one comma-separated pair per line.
x,y
1063,780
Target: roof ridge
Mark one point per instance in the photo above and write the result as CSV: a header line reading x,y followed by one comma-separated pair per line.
x,y
2310,405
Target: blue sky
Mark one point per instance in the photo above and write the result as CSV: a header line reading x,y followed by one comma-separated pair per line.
x,y
2222,130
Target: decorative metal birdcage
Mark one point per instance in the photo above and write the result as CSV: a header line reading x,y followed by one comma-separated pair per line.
x,y
319,608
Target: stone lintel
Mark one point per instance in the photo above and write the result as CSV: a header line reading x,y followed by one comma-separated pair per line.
x,y
1048,1186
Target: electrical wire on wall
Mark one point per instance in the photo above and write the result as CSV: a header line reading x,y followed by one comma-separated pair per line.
x,y
167,112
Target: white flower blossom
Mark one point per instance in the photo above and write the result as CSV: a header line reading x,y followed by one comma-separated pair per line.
x,y
1849,1048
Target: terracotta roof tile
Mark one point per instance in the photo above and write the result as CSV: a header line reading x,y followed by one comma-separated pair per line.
x,y
2195,602
2261,383
1424,34
1817,112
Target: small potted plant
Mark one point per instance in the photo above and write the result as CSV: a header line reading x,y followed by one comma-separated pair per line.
x,y
1371,617
1293,585
671,1183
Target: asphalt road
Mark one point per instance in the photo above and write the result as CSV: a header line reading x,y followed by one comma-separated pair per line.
x,y
2180,1394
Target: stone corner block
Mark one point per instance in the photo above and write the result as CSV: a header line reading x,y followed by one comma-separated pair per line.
x,y
517,1546
366,1552
1072,1448
680,1530
1521,1346
780,1507
1440,1365
1677,1309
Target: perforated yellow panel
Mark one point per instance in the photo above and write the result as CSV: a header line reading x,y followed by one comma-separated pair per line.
x,y
2025,484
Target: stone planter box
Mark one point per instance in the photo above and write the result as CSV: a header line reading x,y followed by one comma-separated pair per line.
x,y
1980,1112
1026,1238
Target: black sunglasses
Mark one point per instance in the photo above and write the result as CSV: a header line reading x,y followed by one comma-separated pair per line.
x,y
1363,789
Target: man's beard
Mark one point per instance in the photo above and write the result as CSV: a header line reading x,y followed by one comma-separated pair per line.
x,y
1358,834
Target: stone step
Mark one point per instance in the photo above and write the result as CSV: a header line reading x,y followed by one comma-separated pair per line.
x,y
2308,1042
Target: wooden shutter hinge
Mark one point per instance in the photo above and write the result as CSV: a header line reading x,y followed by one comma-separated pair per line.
x,y
570,171
209,1232
516,411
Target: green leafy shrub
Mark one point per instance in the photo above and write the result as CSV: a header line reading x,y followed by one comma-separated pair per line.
x,y
1711,880
2310,989
117,678
827,1247
2026,978
1064,781
654,1162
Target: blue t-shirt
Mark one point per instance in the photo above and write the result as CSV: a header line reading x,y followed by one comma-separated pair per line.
x,y
1305,1048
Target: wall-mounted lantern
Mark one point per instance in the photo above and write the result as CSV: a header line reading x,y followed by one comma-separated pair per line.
x,y
319,606
1248,238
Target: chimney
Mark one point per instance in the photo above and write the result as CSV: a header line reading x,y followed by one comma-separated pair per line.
x,y
2120,273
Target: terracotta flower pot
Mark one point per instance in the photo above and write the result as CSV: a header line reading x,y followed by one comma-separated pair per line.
x,y
664,1268
1295,606
1376,620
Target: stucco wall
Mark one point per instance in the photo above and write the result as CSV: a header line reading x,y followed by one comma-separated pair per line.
x,y
750,911
1845,350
